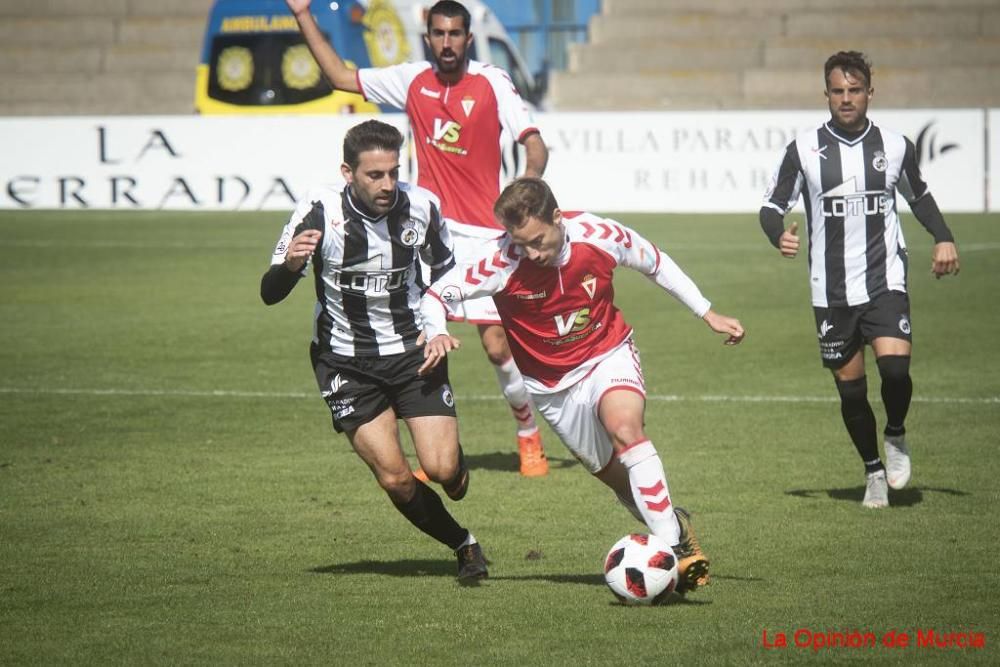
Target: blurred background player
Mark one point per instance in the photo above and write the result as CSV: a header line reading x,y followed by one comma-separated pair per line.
x,y
458,108
551,279
365,239
850,170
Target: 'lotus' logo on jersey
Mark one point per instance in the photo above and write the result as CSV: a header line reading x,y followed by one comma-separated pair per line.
x,y
369,283
575,321
846,200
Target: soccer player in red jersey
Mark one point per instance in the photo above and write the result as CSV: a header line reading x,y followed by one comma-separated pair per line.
x,y
458,109
551,280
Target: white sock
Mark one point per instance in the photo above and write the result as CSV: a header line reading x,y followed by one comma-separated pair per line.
x,y
649,490
471,539
512,386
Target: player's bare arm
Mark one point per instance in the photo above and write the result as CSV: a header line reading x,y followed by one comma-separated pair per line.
x,y
788,244
725,325
536,155
944,259
301,249
330,63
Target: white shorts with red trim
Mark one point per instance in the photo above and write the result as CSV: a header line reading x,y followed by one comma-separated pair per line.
x,y
573,412
472,243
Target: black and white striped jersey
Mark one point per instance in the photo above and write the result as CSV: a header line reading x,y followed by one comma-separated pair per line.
x,y
849,185
367,271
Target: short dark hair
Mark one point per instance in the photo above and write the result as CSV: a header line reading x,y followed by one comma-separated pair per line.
x,y
849,62
525,198
370,135
450,9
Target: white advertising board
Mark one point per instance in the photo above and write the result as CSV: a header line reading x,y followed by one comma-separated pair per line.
x,y
993,196
723,161
604,162
170,162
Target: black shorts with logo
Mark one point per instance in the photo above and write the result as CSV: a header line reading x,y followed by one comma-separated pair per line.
x,y
358,389
843,330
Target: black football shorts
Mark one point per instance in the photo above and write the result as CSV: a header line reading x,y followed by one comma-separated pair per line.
x,y
843,330
358,389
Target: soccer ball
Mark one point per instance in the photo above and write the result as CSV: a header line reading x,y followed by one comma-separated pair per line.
x,y
641,569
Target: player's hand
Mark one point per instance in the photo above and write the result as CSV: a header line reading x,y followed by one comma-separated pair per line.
x,y
788,242
298,6
436,349
725,325
301,249
944,259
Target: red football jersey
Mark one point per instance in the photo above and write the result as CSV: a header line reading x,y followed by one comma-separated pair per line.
x,y
561,320
456,130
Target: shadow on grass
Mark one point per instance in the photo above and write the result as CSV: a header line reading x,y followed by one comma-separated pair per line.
x,y
508,461
397,568
443,568
904,498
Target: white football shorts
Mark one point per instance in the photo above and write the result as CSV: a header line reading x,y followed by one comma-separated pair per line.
x,y
472,243
573,412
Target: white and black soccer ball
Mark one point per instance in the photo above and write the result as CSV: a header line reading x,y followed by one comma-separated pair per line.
x,y
641,569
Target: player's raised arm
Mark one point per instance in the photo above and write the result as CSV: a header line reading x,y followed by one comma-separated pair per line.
x,y
330,63
641,255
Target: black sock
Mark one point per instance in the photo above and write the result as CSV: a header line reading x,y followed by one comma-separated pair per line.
x,y
897,389
426,511
860,420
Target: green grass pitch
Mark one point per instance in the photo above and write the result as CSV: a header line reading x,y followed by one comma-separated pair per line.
x,y
171,491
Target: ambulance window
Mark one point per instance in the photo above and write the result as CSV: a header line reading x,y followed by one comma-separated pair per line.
x,y
501,56
264,70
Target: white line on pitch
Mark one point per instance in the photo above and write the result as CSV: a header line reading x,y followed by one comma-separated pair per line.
x,y
222,393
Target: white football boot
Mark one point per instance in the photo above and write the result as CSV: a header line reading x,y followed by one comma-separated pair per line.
x,y
897,461
876,490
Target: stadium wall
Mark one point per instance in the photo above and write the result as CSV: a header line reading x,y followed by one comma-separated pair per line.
x,y
610,161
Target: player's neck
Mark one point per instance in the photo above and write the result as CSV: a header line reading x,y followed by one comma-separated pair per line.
x,y
852,132
451,78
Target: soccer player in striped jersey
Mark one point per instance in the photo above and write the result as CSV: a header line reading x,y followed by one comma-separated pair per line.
x,y
458,111
551,279
365,239
848,171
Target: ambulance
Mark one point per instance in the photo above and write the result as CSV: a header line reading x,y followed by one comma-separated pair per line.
x,y
254,61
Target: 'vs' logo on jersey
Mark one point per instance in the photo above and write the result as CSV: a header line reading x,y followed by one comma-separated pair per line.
x,y
575,321
448,131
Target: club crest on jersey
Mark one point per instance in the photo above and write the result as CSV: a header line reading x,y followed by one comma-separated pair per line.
x,y
880,161
447,397
467,104
409,236
589,284
904,324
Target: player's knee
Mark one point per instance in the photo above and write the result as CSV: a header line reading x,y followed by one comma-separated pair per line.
x,y
894,367
442,471
625,433
398,486
853,391
495,344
